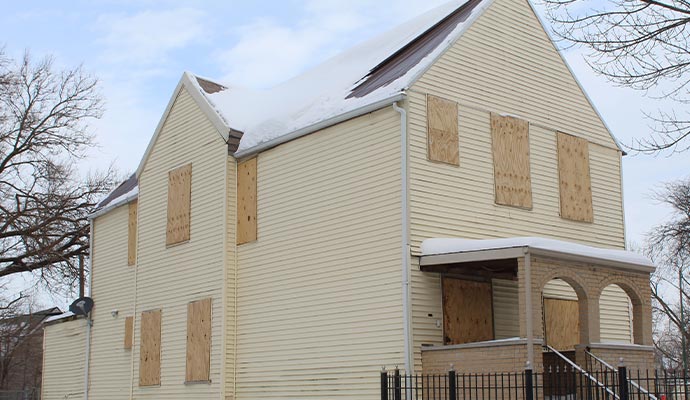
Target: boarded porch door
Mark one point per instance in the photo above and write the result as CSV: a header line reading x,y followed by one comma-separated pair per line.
x,y
561,323
467,311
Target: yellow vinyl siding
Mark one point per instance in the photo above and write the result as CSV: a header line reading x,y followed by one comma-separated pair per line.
x,y
170,277
63,360
112,289
616,316
512,68
319,293
506,312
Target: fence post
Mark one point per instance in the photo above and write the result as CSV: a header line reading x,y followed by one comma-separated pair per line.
x,y
397,386
529,382
622,381
452,387
384,384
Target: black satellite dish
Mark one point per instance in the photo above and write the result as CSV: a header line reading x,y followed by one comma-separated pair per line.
x,y
81,306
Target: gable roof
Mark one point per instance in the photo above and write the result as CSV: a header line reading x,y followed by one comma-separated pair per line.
x,y
375,72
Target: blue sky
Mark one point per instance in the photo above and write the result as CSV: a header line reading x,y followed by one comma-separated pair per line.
x,y
139,50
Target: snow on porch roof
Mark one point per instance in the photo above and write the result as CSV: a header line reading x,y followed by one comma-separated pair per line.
x,y
441,250
376,71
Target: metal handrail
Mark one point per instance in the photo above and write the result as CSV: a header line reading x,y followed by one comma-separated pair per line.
x,y
610,367
583,372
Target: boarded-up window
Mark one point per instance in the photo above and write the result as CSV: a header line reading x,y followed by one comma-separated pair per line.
x,y
246,201
510,143
150,349
562,323
467,311
575,184
132,234
129,332
179,204
442,130
199,341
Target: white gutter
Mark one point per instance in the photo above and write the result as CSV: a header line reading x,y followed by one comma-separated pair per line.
x,y
242,154
405,245
89,322
528,306
111,206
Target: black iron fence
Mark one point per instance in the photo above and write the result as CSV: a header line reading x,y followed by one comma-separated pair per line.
x,y
557,383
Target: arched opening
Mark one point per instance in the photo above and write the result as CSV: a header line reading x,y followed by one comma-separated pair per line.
x,y
608,320
562,306
615,315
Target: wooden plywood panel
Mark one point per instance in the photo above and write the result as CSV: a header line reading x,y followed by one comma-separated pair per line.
x,y
246,202
510,145
442,133
467,311
179,204
150,351
574,176
132,234
562,323
129,332
198,341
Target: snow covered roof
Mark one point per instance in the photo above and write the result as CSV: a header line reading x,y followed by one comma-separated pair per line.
x,y
122,194
370,73
442,246
65,315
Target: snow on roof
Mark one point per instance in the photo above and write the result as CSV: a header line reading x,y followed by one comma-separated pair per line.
x,y
439,246
325,91
123,193
64,315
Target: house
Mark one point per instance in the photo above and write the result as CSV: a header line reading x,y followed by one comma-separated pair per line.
x,y
21,354
443,194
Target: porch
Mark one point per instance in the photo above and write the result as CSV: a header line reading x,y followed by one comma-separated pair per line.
x,y
505,301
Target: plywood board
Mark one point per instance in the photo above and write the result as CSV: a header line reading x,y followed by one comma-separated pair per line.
x,y
562,323
198,341
574,176
179,204
512,177
246,202
150,349
129,332
467,311
442,130
132,234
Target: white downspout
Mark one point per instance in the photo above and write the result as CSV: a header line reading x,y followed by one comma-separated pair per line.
x,y
89,322
528,308
405,246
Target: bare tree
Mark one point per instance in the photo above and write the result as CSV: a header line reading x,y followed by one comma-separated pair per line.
x,y
669,245
44,202
642,44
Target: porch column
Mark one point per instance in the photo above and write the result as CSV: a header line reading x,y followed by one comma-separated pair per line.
x,y
589,320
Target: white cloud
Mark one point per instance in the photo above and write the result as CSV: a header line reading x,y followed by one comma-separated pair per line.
x,y
268,52
148,36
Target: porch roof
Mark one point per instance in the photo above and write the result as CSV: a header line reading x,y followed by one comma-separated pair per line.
x,y
438,251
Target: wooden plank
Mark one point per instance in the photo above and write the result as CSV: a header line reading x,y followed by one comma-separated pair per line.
x,y
179,205
198,341
442,130
574,176
467,311
150,349
129,332
132,234
562,323
246,202
512,176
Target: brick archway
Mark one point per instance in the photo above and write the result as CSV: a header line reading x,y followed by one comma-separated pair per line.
x,y
583,299
639,303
